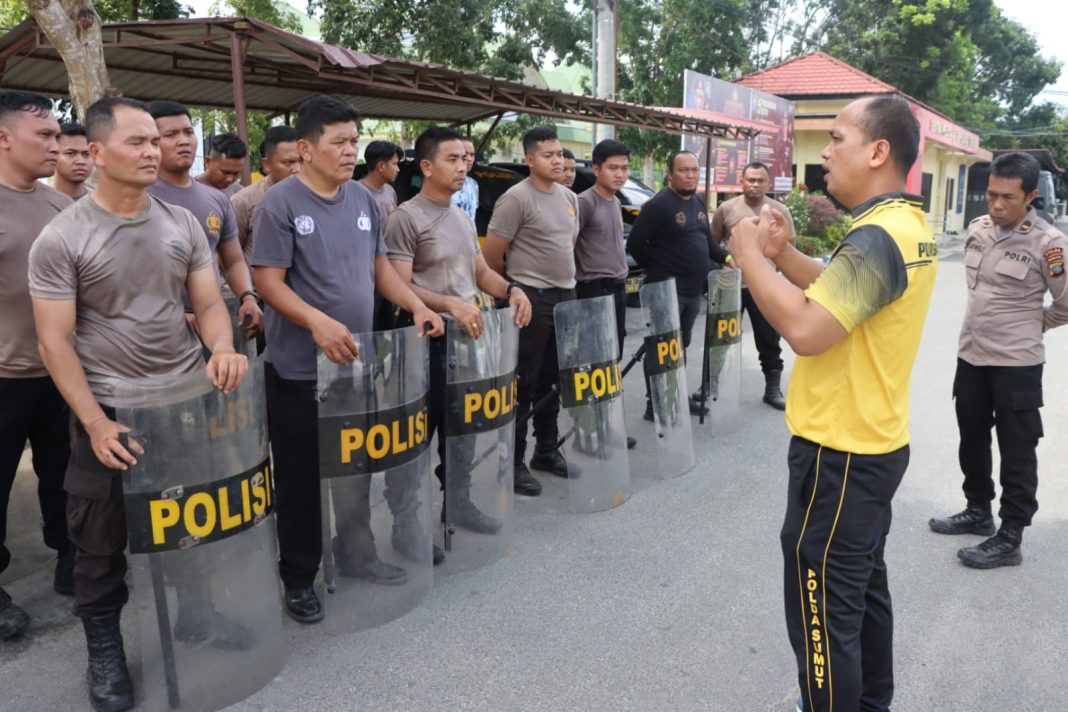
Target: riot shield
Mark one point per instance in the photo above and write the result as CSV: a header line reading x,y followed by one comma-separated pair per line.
x,y
479,440
242,345
723,349
373,465
591,390
199,511
665,373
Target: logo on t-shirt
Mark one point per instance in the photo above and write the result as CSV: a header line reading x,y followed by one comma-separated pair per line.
x,y
213,222
680,218
304,224
364,222
570,211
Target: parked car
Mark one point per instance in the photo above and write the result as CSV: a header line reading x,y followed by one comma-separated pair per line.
x,y
1046,202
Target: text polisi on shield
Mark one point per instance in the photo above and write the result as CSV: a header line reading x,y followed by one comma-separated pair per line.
x,y
480,406
363,443
590,384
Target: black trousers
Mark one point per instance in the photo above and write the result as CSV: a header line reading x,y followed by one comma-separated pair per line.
x,y
765,336
32,409
838,610
538,370
1006,398
617,289
96,517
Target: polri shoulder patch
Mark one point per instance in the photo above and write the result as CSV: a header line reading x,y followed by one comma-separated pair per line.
x,y
1054,261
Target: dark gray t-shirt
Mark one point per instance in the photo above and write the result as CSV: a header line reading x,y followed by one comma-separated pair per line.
x,y
209,206
599,250
328,247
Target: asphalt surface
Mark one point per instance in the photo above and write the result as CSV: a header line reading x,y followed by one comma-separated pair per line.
x,y
672,601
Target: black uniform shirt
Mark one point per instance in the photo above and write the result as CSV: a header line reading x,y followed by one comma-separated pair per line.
x,y
671,238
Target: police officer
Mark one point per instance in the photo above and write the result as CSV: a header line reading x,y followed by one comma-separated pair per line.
x,y
671,238
755,179
279,159
1012,258
862,314
535,224
433,246
318,257
30,406
106,277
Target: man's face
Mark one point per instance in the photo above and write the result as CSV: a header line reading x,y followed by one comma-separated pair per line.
x,y
1006,200
130,154
177,144
755,184
333,156
613,173
74,164
448,169
284,162
390,169
223,171
546,161
684,174
847,156
469,154
567,177
30,142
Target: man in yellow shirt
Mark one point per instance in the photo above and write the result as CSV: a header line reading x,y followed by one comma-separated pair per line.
x,y
855,326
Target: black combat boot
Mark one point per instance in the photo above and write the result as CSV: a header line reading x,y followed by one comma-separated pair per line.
x,y
110,689
198,623
973,520
550,460
1002,549
408,538
63,578
366,565
525,483
648,415
773,390
464,513
13,620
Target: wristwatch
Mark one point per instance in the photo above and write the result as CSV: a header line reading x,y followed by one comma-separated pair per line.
x,y
509,288
246,293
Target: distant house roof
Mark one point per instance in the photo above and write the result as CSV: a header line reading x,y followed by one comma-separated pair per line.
x,y
1044,156
813,75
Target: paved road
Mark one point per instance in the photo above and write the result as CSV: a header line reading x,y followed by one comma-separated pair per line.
x,y
673,601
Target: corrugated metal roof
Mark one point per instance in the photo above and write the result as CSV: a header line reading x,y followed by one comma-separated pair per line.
x,y
190,61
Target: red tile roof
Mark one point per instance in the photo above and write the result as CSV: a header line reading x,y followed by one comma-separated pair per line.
x,y
815,74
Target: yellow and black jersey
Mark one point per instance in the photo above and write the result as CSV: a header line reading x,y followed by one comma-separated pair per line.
x,y
855,396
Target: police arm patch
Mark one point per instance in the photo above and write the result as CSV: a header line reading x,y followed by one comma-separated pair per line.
x,y
1054,261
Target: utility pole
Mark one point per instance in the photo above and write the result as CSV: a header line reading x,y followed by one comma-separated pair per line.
x,y
604,59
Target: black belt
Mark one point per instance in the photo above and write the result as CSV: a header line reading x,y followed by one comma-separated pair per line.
x,y
557,291
606,281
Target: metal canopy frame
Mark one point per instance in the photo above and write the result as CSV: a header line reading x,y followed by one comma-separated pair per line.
x,y
249,65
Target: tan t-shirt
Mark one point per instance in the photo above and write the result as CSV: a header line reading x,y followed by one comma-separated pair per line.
x,y
440,242
128,276
23,214
541,228
245,202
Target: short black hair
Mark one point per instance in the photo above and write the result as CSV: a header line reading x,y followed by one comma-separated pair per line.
x,y
162,108
315,114
426,146
676,154
756,166
568,154
381,152
1017,164
532,138
609,148
274,136
72,128
889,118
229,145
100,117
14,101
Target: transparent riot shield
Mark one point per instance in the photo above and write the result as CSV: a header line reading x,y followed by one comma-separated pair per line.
x,y
242,345
723,349
665,373
199,511
591,390
479,427
374,467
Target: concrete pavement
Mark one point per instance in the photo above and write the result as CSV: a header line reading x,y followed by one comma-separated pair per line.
x,y
672,601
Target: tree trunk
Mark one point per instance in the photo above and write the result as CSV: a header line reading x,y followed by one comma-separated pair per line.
x,y
73,28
